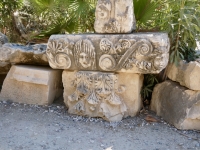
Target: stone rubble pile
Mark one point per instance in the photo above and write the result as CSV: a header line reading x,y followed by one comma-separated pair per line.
x,y
178,100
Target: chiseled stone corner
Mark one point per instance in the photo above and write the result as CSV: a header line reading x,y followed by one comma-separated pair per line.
x,y
178,105
32,85
114,16
111,96
187,74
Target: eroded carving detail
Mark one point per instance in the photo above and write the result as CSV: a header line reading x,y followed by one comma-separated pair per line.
x,y
94,89
114,16
129,53
84,54
59,53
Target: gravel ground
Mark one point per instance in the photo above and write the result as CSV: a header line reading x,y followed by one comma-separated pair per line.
x,y
32,127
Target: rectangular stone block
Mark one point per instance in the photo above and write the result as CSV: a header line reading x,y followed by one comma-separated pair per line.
x,y
187,74
177,104
32,85
114,16
111,96
134,53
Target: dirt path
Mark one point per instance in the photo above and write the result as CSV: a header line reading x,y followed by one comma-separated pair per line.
x,y
30,127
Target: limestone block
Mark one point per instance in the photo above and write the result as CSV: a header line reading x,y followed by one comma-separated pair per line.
x,y
114,16
111,96
187,74
178,105
32,85
19,54
3,39
133,53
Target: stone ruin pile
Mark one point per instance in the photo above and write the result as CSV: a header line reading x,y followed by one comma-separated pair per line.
x,y
102,73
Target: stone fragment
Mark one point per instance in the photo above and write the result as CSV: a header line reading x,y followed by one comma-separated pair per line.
x,y
177,105
187,74
20,54
2,77
3,39
114,16
32,85
133,53
111,96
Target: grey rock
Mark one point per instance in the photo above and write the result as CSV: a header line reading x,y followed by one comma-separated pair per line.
x,y
19,54
177,105
3,39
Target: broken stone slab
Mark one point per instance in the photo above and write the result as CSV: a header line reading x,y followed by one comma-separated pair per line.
x,y
114,16
134,53
187,74
111,96
11,53
32,85
3,39
177,105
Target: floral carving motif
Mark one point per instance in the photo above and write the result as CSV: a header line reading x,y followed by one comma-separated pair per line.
x,y
58,53
94,88
127,54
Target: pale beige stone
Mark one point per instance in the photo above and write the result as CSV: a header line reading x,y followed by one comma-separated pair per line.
x,y
134,53
111,96
187,74
114,16
32,85
177,105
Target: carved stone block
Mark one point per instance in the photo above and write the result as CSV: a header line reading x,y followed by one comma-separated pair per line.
x,y
114,16
32,85
133,53
111,96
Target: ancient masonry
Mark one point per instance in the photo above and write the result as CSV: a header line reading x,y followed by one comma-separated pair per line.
x,y
103,72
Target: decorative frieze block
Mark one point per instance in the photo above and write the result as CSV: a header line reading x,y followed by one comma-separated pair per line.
x,y
32,85
114,16
134,53
98,94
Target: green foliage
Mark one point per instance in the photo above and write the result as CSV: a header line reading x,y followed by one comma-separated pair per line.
x,y
7,9
146,14
64,16
150,81
181,20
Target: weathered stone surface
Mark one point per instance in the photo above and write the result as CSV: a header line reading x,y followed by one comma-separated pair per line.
x,y
114,16
20,54
111,96
3,39
2,77
134,53
32,85
177,105
187,74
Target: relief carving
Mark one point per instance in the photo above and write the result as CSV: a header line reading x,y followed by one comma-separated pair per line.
x,y
59,54
114,16
94,89
84,54
129,53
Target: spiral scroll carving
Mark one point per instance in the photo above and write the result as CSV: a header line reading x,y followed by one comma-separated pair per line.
x,y
145,48
62,60
107,62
